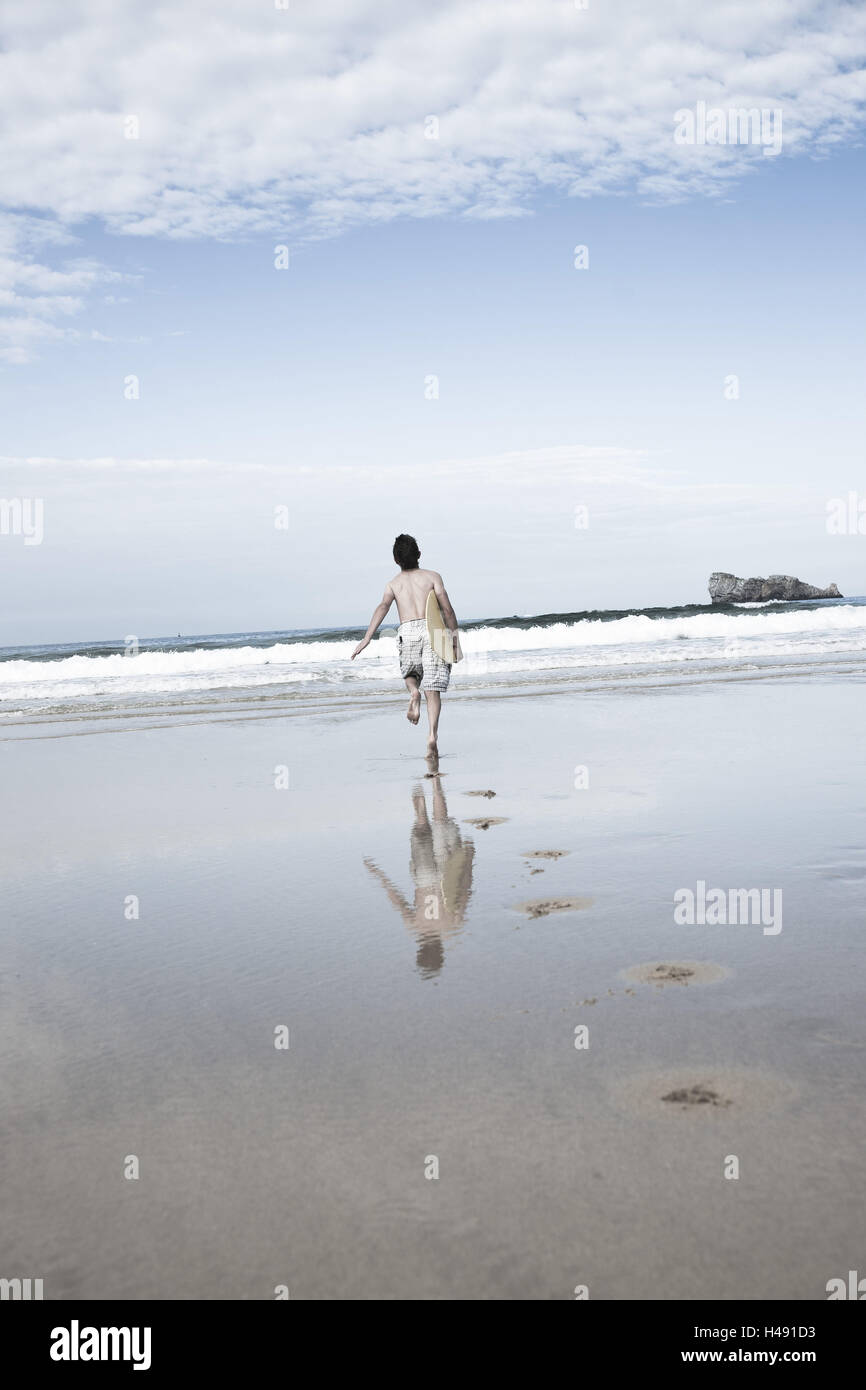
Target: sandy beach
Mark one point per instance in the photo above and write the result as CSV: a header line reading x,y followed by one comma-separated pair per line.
x,y
432,973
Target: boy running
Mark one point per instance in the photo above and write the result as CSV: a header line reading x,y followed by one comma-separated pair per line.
x,y
420,666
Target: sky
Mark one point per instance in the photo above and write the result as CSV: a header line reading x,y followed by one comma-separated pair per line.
x,y
215,441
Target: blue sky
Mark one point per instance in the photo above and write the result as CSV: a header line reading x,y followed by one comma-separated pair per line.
x,y
557,387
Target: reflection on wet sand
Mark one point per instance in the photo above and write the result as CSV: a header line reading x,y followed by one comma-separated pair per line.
x,y
440,862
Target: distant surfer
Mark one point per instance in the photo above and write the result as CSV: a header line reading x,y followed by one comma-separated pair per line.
x,y
421,667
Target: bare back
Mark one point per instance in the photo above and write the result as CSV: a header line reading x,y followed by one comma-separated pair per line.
x,y
410,589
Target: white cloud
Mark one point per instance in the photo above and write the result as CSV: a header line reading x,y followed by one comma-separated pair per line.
x,y
36,299
309,119
132,544
622,481
132,465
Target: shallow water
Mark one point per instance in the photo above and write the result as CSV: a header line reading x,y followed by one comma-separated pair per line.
x,y
414,1036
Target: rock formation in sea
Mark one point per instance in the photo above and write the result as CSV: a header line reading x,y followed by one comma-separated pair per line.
x,y
727,588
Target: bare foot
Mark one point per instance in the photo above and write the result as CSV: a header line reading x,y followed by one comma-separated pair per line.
x,y
413,713
432,755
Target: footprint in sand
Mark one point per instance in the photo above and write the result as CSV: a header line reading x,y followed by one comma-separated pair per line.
x,y
677,972
542,907
594,1000
699,1094
485,822
546,854
488,794
666,1091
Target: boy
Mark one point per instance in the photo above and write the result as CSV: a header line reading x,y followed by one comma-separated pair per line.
x,y
418,661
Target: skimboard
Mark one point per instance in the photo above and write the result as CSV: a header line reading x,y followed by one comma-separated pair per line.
x,y
440,637
457,874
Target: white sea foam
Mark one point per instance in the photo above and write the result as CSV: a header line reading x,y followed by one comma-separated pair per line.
x,y
635,639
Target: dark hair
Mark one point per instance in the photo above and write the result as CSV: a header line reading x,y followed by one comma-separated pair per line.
x,y
406,552
430,956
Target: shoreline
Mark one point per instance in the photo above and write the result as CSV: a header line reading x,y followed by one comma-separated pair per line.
x,y
230,703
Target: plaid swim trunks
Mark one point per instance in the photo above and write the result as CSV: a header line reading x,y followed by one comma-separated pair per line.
x,y
417,657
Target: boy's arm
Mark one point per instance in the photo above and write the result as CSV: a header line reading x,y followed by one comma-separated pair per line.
x,y
394,894
376,621
447,611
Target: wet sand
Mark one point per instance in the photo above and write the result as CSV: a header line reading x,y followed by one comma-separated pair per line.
x,y
427,1015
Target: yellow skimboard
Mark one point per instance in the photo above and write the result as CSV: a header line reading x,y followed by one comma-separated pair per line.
x,y
440,638
456,877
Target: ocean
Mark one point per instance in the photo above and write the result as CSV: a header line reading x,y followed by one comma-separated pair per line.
x,y
312,667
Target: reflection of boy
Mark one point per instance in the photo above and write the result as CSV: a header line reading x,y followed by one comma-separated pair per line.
x,y
440,863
